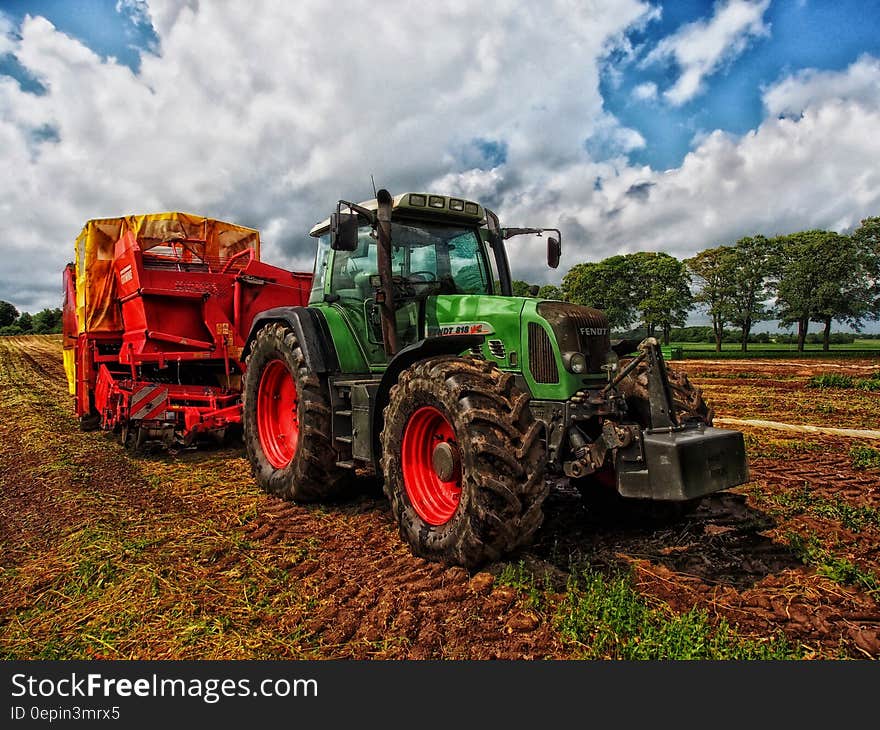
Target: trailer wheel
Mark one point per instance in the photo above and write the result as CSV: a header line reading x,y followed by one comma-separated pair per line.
x,y
286,420
464,461
90,422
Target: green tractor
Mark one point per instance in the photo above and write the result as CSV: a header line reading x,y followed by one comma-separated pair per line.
x,y
414,363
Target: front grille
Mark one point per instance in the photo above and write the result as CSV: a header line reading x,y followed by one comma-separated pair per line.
x,y
542,361
496,347
579,329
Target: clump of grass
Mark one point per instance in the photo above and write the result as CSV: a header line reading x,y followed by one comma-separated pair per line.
x,y
774,447
835,568
520,577
605,617
855,518
830,380
610,619
836,380
865,457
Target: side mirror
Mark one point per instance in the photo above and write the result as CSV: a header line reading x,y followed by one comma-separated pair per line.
x,y
344,231
554,252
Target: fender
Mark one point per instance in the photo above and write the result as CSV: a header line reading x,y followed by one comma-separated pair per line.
x,y
311,330
421,350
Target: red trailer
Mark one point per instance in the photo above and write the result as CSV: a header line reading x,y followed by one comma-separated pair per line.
x,y
157,309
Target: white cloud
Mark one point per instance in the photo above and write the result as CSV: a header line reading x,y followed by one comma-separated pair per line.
x,y
700,48
7,38
267,114
795,93
138,11
820,170
645,92
267,118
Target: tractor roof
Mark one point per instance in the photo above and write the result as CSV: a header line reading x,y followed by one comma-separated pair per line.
x,y
422,205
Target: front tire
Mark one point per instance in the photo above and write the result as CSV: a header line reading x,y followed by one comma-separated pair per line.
x,y
464,461
286,420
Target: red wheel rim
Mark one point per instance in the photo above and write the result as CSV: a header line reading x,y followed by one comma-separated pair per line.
x,y
434,499
277,423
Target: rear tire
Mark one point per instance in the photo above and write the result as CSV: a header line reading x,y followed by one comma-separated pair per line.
x,y
286,419
465,420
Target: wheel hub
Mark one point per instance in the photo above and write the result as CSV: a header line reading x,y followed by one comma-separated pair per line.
x,y
277,422
431,465
445,461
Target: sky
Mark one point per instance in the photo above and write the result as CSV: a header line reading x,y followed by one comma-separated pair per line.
x,y
630,125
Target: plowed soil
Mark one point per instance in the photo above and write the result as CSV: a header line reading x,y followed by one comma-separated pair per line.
x,y
107,553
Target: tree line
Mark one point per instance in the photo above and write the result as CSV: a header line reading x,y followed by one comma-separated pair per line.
x,y
44,322
799,278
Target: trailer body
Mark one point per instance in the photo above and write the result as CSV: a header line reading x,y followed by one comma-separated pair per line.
x,y
157,309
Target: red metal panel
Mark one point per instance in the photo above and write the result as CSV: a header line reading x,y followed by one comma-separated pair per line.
x,y
177,309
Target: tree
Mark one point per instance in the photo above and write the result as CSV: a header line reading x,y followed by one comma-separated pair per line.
x,y
47,321
867,241
713,269
753,266
662,291
8,314
606,285
847,291
25,323
649,287
806,260
520,288
550,291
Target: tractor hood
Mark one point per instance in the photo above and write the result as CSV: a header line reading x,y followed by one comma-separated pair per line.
x,y
497,318
578,329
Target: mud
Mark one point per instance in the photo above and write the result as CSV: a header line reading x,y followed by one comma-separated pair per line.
x,y
335,580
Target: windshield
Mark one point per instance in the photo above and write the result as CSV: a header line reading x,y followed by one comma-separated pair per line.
x,y
449,257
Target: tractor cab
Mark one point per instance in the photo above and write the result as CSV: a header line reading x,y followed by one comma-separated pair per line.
x,y
437,246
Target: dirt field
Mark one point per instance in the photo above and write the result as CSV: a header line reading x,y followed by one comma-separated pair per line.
x,y
110,554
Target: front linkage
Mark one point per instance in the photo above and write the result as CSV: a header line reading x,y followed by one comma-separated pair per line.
x,y
634,427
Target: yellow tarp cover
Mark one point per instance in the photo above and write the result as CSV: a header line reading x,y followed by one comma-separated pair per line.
x,y
70,369
96,307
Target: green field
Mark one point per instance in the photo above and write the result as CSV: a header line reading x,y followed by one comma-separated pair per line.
x,y
731,350
873,344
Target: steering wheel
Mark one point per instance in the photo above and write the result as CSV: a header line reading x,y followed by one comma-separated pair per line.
x,y
430,276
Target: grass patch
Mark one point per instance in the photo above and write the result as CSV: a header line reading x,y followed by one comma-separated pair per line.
x,y
774,448
845,382
802,500
865,457
604,617
840,570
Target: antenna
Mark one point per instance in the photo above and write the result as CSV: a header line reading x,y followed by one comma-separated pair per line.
x,y
374,185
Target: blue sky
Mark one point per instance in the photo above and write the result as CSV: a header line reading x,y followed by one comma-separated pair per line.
x,y
99,24
628,124
824,34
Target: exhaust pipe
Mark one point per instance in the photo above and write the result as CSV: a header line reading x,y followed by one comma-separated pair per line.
x,y
386,302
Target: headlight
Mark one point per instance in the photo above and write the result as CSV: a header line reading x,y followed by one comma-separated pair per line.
x,y
576,362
